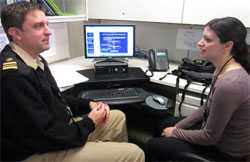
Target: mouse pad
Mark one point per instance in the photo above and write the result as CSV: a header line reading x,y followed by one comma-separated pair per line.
x,y
150,102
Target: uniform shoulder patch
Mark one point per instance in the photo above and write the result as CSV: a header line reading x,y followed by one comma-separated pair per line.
x,y
9,63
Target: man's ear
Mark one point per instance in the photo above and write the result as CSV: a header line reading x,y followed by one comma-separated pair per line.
x,y
15,33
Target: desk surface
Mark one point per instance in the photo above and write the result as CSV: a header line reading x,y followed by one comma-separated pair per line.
x,y
80,63
134,74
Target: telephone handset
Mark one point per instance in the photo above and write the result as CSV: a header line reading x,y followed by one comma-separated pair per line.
x,y
158,60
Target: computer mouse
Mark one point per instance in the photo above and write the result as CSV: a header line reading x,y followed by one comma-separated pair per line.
x,y
158,99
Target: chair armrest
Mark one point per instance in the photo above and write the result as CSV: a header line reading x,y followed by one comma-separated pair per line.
x,y
194,157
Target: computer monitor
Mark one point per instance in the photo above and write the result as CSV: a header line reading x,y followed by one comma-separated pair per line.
x,y
109,41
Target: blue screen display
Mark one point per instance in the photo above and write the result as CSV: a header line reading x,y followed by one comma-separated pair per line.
x,y
90,42
109,40
114,42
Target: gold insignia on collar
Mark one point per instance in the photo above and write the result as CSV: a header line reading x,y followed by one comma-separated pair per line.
x,y
9,59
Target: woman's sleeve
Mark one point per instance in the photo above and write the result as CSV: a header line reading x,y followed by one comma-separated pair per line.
x,y
191,120
226,98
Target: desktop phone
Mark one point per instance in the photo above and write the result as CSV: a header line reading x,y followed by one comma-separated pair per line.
x,y
158,60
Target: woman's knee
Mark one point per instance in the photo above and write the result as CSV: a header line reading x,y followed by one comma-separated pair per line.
x,y
156,146
164,148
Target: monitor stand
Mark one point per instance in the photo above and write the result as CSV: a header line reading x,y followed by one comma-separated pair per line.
x,y
110,65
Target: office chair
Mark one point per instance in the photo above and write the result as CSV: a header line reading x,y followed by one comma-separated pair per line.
x,y
187,156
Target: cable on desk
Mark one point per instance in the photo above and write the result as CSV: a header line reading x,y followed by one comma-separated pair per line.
x,y
183,97
203,94
164,76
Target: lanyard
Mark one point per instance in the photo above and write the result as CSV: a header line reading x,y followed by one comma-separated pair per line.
x,y
206,113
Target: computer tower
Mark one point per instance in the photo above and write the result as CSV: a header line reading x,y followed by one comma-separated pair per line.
x,y
110,68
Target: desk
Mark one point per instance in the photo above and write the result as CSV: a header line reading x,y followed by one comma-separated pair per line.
x,y
145,118
134,74
81,63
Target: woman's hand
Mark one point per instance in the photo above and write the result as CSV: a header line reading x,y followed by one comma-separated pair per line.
x,y
168,132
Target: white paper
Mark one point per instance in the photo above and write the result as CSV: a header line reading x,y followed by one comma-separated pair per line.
x,y
187,39
65,76
10,1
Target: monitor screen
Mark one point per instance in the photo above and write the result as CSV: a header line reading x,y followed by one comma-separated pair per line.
x,y
107,41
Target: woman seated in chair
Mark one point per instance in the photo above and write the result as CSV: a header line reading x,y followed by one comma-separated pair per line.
x,y
224,119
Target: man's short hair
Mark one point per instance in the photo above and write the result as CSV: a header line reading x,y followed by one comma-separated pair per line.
x,y
13,15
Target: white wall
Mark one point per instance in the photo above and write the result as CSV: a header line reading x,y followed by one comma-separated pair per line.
x,y
148,35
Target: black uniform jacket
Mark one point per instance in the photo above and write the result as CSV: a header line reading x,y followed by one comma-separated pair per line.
x,y
34,115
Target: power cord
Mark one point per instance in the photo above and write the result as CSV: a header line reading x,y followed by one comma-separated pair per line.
x,y
151,73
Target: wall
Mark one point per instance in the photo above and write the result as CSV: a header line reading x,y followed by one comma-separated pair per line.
x,y
148,35
59,46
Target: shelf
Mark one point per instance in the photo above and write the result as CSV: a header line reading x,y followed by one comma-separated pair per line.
x,y
78,9
56,19
238,9
141,10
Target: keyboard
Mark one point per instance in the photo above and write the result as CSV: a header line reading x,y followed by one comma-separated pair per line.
x,y
116,95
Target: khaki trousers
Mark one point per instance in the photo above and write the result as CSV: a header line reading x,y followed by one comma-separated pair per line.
x,y
107,143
